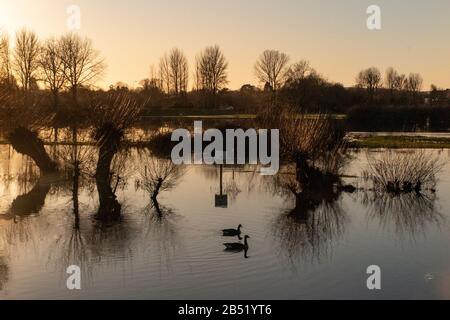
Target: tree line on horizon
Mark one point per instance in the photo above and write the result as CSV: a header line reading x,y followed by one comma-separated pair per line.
x,y
66,65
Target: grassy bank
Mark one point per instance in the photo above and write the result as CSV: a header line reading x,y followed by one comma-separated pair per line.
x,y
397,142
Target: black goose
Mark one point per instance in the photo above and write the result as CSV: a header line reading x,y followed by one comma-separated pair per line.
x,y
232,232
237,246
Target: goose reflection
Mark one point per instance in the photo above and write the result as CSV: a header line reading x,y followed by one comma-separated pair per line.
x,y
237,247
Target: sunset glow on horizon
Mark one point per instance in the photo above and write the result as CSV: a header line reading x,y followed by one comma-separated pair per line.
x,y
332,35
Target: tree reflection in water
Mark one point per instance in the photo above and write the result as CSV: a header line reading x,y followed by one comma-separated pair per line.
x,y
402,195
308,230
32,201
406,214
158,175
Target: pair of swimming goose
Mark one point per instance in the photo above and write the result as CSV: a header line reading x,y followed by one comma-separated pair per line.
x,y
235,246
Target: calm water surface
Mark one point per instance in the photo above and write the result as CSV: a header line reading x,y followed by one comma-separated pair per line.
x,y
180,255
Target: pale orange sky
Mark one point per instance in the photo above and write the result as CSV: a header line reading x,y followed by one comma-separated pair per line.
x,y
331,34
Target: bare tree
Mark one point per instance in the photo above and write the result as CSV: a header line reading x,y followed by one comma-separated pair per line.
x,y
271,68
158,175
391,78
6,75
154,81
414,83
178,71
83,64
212,69
369,79
164,73
299,71
394,80
26,54
197,75
400,82
53,68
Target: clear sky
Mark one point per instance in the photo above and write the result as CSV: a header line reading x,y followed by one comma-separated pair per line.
x,y
331,34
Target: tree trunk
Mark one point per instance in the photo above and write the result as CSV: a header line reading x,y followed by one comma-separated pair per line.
x,y
28,143
109,208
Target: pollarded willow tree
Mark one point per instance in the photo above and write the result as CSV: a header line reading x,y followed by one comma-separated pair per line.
x,y
113,116
315,144
20,124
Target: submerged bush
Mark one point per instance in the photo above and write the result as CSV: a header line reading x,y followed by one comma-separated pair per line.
x,y
398,171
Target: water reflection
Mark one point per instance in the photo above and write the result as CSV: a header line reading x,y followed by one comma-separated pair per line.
x,y
168,241
30,202
4,270
308,230
402,193
161,227
405,214
158,175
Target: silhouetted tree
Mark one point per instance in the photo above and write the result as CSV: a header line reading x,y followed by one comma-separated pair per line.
x,y
27,142
158,174
197,75
299,71
271,68
113,117
26,54
6,75
83,64
369,79
212,67
391,80
178,71
53,68
414,85
164,73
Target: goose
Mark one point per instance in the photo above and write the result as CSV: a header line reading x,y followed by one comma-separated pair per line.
x,y
232,232
237,246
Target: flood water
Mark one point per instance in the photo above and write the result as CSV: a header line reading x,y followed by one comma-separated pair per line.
x,y
179,253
